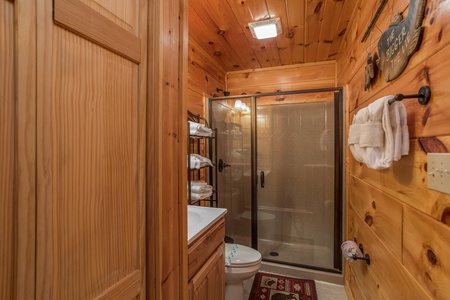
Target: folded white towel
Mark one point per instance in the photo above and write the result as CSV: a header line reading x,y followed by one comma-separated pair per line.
x,y
202,189
199,183
373,153
198,161
200,196
199,129
371,134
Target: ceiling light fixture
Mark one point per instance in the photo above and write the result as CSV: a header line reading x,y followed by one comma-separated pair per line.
x,y
266,28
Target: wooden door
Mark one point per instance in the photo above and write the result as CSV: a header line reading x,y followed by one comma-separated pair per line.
x,y
91,109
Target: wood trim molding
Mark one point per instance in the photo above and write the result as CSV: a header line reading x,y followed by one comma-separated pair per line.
x,y
80,18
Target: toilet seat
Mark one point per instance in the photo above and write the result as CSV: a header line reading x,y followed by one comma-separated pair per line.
x,y
240,256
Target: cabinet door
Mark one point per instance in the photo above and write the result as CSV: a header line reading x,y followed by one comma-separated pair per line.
x,y
91,149
209,282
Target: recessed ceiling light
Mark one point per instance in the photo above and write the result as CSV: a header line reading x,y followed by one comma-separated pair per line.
x,y
266,28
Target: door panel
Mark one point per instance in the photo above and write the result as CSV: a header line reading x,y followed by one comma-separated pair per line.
x,y
6,150
102,26
91,152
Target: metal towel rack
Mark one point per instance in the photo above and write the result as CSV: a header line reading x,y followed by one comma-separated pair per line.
x,y
423,96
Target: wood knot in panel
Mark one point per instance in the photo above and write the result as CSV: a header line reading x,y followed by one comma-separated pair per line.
x,y
432,258
445,218
432,145
368,219
426,115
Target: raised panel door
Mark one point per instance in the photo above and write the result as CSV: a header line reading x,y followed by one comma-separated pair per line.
x,y
91,149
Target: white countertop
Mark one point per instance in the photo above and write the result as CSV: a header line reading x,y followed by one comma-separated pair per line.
x,y
200,218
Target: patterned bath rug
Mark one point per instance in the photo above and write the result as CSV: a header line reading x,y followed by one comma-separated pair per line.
x,y
268,286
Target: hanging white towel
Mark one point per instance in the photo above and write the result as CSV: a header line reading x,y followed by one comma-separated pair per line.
x,y
379,134
199,129
372,126
400,134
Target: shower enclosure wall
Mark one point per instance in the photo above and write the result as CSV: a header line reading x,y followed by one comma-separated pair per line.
x,y
280,165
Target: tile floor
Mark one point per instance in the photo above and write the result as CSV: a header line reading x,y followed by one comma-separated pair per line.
x,y
325,290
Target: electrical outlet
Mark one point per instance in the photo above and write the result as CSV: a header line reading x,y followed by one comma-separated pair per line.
x,y
439,172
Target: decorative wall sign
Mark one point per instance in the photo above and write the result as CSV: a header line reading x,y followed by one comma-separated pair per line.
x,y
399,42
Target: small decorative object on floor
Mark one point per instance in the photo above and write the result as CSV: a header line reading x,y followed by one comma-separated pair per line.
x,y
268,286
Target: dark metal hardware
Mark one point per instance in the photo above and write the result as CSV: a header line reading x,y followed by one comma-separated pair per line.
x,y
423,96
366,256
262,179
222,165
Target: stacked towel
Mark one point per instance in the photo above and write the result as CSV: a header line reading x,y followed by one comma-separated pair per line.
x,y
198,161
199,129
200,190
379,134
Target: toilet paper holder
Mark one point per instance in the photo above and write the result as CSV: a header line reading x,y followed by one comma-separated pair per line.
x,y
366,256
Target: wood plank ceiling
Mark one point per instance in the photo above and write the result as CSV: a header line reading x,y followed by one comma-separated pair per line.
x,y
312,31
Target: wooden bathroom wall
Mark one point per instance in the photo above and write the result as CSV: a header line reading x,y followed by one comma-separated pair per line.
x,y
166,163
403,225
285,78
205,74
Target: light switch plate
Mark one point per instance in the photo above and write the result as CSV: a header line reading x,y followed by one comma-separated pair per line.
x,y
439,172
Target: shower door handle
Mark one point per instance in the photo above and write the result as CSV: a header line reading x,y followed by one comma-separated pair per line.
x,y
262,179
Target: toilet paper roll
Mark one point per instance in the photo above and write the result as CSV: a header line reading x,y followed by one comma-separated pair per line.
x,y
349,250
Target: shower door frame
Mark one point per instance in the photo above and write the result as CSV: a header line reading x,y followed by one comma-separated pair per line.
x,y
338,167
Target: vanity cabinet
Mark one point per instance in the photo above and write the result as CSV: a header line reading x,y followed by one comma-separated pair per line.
x,y
207,264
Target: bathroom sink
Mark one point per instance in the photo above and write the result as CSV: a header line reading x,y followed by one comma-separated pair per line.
x,y
193,218
200,218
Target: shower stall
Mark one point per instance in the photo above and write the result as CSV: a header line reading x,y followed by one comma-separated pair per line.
x,y
279,174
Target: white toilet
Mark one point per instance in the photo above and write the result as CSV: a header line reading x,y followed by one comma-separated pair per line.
x,y
241,263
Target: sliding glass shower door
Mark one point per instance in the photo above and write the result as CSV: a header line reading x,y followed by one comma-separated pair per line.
x,y
279,174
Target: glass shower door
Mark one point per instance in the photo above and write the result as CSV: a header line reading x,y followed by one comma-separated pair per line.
x,y
232,121
296,161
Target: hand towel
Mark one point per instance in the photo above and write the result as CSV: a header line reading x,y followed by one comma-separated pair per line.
x,y
198,161
199,129
379,157
404,129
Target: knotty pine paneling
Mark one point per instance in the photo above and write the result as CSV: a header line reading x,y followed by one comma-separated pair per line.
x,y
427,245
382,213
204,77
295,77
426,252
385,277
424,211
406,181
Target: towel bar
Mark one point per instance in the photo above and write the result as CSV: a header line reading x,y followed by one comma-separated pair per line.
x,y
423,96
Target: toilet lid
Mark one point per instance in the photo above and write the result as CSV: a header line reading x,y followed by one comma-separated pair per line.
x,y
240,256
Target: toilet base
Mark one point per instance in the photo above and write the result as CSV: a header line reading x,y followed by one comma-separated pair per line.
x,y
234,291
